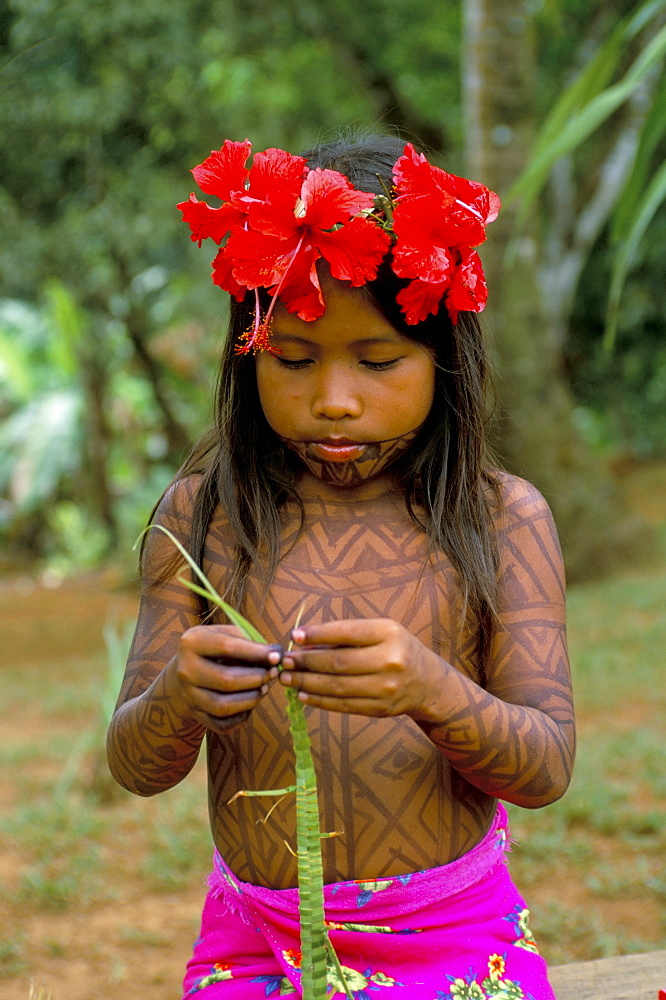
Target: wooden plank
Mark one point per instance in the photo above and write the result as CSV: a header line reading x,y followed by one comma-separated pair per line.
x,y
625,977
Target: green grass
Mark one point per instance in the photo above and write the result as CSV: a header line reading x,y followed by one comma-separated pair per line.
x,y
58,840
178,839
46,691
617,636
13,958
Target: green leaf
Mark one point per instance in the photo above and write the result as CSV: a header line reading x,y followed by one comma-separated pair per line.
x,y
40,445
654,196
16,372
66,320
570,134
590,81
208,591
652,133
235,617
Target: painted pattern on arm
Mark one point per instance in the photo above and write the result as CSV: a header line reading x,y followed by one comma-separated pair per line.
x,y
151,747
516,739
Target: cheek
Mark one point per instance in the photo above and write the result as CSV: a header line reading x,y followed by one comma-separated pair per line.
x,y
409,406
279,400
426,393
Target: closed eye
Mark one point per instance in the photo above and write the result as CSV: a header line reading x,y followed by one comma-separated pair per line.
x,y
379,366
293,365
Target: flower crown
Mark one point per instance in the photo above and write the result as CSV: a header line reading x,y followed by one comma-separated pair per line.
x,y
279,217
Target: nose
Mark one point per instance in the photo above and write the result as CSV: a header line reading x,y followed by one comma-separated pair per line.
x,y
335,395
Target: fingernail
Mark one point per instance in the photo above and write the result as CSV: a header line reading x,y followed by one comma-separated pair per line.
x,y
285,678
272,673
298,634
275,656
289,663
264,688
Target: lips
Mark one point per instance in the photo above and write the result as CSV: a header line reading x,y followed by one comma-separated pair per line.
x,y
337,449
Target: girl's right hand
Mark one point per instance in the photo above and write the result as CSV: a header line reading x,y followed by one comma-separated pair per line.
x,y
218,677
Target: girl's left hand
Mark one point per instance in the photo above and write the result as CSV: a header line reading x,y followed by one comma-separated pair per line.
x,y
366,667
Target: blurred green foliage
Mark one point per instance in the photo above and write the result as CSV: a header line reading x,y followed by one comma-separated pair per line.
x,y
109,326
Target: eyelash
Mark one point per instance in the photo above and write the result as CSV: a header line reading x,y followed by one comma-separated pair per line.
x,y
375,366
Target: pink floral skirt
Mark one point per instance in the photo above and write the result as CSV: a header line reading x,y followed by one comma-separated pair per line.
x,y
460,931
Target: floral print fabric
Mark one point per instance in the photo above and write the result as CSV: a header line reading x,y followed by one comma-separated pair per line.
x,y
458,932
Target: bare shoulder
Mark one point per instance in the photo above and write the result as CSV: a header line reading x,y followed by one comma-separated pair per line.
x,y
176,506
174,512
529,546
519,500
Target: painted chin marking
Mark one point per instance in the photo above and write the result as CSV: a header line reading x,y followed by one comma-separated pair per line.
x,y
349,465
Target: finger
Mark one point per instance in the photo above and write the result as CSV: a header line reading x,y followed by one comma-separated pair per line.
x,y
337,660
216,705
225,678
348,632
217,642
348,706
334,686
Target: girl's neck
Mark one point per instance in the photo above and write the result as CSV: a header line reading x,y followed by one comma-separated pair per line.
x,y
311,488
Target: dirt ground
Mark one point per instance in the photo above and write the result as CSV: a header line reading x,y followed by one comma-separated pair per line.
x,y
136,942
130,939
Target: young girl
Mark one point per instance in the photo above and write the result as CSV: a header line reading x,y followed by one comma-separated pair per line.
x,y
347,474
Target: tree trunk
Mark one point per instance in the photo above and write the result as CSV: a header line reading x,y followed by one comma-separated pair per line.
x,y
536,432
98,439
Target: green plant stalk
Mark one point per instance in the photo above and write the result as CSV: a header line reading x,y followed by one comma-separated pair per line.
x,y
315,943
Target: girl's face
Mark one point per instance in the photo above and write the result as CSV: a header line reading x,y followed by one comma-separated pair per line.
x,y
347,393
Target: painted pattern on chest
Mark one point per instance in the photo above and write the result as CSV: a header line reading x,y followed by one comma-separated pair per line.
x,y
382,782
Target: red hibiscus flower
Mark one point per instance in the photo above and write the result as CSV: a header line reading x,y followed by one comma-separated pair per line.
x,y
284,238
287,236
437,219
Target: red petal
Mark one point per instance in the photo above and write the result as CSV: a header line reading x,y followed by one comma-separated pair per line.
x,y
206,222
223,276
476,196
329,198
355,251
420,298
224,171
442,220
422,260
468,291
301,292
465,207
494,205
275,218
412,174
276,170
259,261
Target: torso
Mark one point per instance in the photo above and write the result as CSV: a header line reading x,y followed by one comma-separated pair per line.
x,y
396,802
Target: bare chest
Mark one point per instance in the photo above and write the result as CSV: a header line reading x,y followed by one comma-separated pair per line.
x,y
380,780
360,560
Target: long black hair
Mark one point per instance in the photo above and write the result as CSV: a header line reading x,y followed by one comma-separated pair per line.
x,y
450,489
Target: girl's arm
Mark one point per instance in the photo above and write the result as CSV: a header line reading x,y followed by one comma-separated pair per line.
x,y
182,677
513,738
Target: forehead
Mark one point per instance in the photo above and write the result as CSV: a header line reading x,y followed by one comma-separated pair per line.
x,y
349,318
